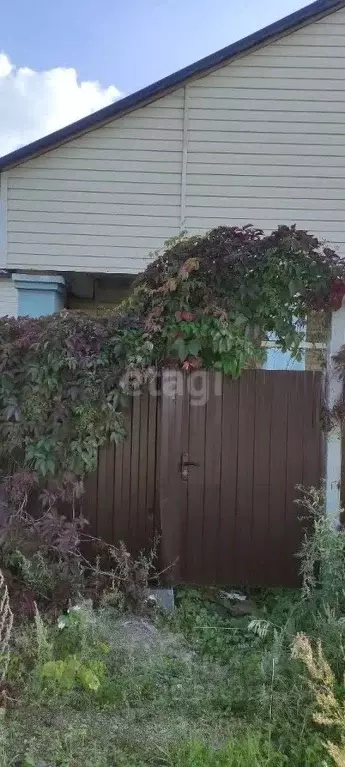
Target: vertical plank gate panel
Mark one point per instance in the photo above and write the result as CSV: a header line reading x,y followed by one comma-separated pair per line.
x,y
294,470
120,496
245,471
277,492
251,444
124,517
212,482
152,523
261,478
118,489
143,471
102,510
134,475
89,502
193,565
170,489
308,435
312,452
181,504
227,551
232,519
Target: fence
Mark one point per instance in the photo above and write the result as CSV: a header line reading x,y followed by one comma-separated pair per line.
x,y
213,467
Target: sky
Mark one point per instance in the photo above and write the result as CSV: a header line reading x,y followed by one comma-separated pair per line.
x,y
62,60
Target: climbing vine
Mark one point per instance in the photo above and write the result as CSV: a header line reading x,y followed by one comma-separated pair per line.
x,y
205,301
211,300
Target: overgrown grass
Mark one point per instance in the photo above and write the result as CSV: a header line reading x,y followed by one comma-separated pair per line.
x,y
208,692
197,688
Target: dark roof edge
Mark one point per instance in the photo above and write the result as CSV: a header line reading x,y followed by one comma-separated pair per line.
x,y
288,23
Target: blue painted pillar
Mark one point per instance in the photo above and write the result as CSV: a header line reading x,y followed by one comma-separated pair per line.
x,y
39,294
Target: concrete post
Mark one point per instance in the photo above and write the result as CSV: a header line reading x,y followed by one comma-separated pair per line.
x,y
334,391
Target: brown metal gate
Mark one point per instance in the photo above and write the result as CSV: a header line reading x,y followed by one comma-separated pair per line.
x,y
120,500
212,464
228,474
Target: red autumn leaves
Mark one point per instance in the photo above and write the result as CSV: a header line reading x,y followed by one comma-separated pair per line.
x,y
184,316
332,301
336,295
192,363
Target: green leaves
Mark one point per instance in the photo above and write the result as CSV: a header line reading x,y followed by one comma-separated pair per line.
x,y
294,287
185,347
39,455
60,394
225,345
72,672
180,347
255,284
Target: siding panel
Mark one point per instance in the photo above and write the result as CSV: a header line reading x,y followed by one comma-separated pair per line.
x,y
273,180
29,239
226,160
92,214
82,258
229,146
8,298
123,138
264,126
119,148
268,111
103,201
267,138
287,59
280,77
286,89
116,182
272,211
300,196
106,172
75,190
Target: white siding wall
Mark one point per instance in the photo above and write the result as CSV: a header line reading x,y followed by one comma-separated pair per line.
x,y
266,145
267,136
103,201
8,298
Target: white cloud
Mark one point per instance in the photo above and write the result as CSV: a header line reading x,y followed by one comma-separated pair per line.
x,y
33,104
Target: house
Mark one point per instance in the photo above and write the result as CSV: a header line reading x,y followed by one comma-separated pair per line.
x,y
253,133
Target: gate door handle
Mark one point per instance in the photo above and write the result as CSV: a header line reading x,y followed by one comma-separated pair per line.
x,y
185,463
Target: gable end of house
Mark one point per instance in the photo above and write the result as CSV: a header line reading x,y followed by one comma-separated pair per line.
x,y
297,20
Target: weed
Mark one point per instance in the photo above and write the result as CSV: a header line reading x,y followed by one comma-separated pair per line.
x,y
212,632
322,553
330,710
244,751
67,674
44,645
6,623
44,556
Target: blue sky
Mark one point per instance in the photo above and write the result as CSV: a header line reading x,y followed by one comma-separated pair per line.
x,y
129,43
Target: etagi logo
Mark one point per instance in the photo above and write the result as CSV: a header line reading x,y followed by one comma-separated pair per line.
x,y
200,385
